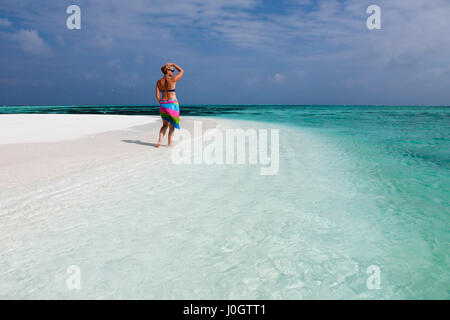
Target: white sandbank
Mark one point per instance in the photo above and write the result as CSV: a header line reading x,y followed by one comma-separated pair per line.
x,y
40,147
31,128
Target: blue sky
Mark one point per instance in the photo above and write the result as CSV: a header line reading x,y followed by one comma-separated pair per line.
x,y
233,52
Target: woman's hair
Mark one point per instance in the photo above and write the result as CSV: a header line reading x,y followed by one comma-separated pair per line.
x,y
164,68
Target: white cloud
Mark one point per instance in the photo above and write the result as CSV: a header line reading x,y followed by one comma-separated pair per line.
x,y
276,78
31,42
327,27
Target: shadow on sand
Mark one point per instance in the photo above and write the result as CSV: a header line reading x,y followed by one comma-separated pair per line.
x,y
140,142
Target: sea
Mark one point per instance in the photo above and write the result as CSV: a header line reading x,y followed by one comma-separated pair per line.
x,y
359,209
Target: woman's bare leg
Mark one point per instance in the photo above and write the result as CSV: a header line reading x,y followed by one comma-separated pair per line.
x,y
171,130
162,132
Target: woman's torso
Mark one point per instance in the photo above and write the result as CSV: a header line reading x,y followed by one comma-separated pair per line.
x,y
167,85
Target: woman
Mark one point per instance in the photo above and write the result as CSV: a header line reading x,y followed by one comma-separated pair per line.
x,y
168,104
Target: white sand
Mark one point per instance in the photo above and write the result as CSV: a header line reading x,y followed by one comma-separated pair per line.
x,y
30,128
41,147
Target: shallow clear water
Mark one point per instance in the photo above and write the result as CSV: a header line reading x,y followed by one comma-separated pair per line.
x,y
356,187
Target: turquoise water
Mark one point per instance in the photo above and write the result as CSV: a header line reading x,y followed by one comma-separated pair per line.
x,y
358,186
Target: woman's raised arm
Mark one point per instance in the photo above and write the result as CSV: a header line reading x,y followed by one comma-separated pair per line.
x,y
179,74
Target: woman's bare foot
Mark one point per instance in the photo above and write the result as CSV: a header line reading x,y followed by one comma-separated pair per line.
x,y
158,145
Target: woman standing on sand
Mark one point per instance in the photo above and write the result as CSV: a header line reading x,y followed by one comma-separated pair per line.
x,y
168,104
